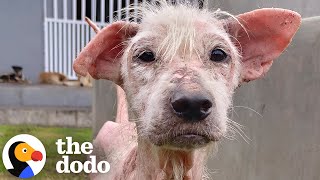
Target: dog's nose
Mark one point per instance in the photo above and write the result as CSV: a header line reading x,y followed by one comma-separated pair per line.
x,y
191,107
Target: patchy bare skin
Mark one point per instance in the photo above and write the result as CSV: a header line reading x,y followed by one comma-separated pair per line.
x,y
156,134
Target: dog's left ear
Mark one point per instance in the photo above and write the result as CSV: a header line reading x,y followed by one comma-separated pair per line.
x,y
261,36
101,57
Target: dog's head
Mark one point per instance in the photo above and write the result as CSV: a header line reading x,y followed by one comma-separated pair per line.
x,y
180,66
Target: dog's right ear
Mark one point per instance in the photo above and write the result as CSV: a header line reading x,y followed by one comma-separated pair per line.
x,y
101,57
265,34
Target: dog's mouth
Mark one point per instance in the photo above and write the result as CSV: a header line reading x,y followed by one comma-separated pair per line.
x,y
175,133
188,141
184,140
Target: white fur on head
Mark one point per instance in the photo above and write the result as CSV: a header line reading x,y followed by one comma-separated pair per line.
x,y
182,38
178,23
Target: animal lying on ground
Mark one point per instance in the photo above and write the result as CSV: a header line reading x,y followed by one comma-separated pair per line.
x,y
61,79
52,78
179,68
15,77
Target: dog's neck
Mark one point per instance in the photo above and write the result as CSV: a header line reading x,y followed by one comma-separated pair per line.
x,y
149,162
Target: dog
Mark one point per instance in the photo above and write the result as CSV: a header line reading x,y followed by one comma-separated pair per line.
x,y
56,78
85,81
15,77
52,78
179,68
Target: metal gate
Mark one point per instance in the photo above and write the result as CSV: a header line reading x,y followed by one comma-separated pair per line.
x,y
66,32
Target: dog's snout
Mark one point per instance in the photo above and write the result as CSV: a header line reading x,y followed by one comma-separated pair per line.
x,y
191,107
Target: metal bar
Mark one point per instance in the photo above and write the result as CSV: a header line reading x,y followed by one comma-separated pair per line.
x,y
55,9
102,11
50,46
78,39
64,50
119,9
73,50
73,44
46,57
81,44
110,11
60,46
45,26
83,9
69,59
55,34
65,10
93,10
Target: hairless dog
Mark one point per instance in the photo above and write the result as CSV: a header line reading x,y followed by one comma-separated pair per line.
x,y
176,72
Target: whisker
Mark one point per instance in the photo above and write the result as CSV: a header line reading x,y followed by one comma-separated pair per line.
x,y
238,128
245,107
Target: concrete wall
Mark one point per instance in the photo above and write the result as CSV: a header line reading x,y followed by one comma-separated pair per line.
x,y
104,104
285,138
44,96
46,105
306,8
21,36
61,117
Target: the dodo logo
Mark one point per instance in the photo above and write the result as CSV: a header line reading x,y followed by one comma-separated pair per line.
x,y
24,156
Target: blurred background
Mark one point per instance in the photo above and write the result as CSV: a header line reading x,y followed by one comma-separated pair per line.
x,y
280,113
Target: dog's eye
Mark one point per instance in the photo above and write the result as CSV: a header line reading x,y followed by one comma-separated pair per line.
x,y
218,55
147,56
